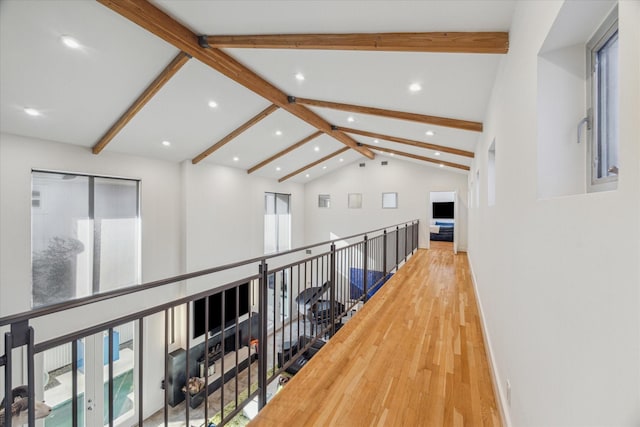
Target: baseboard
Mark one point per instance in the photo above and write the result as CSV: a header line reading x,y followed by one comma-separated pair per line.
x,y
495,377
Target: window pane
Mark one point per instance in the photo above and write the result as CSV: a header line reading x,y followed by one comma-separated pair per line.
x,y
389,200
116,248
355,200
607,108
62,240
282,203
324,200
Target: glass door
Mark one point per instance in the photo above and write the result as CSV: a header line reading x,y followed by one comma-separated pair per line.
x,y
92,380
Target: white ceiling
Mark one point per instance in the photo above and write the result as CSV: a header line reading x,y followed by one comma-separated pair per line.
x,y
81,93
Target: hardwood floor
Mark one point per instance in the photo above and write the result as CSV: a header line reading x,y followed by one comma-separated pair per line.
x,y
413,356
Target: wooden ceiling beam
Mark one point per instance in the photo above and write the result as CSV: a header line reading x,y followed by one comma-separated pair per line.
x,y
285,151
411,142
401,115
166,74
443,42
317,162
417,157
252,121
156,21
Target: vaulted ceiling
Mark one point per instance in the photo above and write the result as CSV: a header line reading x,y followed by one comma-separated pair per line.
x,y
141,76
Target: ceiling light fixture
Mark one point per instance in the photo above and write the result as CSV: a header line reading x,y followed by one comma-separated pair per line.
x,y
307,176
376,141
324,167
341,159
437,153
70,42
316,148
415,87
278,168
299,77
441,165
278,132
235,159
350,119
391,154
32,112
430,133
166,143
213,104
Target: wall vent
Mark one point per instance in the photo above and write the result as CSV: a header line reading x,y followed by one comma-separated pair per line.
x,y
384,163
362,165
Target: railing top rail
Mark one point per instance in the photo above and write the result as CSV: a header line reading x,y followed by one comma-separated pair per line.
x,y
91,299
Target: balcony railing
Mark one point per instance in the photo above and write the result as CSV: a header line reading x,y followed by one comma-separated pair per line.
x,y
240,328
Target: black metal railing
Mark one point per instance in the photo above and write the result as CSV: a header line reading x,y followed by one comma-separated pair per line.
x,y
239,335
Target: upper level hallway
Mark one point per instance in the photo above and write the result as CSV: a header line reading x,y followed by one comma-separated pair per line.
x,y
413,356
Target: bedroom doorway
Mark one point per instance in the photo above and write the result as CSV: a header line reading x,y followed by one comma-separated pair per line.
x,y
442,212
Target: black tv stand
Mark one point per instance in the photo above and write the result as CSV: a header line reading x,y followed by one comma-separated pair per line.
x,y
177,375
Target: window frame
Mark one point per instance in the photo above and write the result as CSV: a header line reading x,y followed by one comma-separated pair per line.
x,y
602,36
96,285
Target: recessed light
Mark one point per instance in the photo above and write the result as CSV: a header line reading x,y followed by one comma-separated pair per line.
x,y
430,133
324,167
341,159
166,143
70,42
316,148
391,154
437,153
415,87
376,141
278,168
32,112
307,176
299,77
350,119
235,159
213,104
441,165
278,132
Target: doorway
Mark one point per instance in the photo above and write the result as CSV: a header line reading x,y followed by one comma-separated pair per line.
x,y
443,211
92,356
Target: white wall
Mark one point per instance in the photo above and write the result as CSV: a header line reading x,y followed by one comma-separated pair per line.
x,y
558,279
413,182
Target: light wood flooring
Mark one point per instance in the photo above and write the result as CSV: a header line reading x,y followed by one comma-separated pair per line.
x,y
413,356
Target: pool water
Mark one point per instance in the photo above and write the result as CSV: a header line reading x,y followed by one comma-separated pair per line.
x,y
122,386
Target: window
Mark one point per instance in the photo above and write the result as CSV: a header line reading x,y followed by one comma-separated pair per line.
x,y
355,201
389,200
277,222
491,174
602,53
85,235
324,200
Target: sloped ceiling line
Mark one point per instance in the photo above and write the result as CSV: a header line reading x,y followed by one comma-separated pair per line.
x,y
252,121
411,142
317,162
417,157
170,70
447,42
285,151
156,21
414,117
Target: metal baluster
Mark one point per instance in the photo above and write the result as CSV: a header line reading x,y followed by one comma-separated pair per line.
x,y
262,357
364,269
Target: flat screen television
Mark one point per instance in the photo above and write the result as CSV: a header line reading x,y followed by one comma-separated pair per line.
x,y
215,310
442,210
